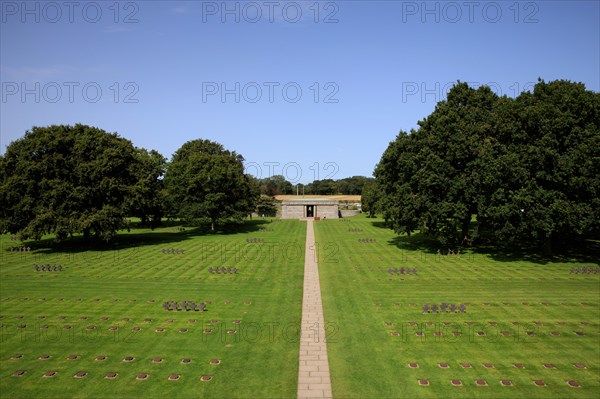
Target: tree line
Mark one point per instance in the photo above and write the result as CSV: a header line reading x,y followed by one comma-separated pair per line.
x,y
69,180
278,185
488,169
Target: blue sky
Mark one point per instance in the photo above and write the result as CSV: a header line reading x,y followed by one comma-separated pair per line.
x,y
306,89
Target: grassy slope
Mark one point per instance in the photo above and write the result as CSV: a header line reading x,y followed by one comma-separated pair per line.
x,y
261,360
360,297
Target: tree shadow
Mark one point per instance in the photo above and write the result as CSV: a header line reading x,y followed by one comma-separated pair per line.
x,y
584,250
131,239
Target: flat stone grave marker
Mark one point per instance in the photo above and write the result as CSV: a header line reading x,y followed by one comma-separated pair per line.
x,y
80,374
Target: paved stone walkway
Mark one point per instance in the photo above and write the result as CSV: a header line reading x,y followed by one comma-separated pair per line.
x,y
313,375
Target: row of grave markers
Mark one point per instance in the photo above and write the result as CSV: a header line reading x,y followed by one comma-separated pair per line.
x,y
48,268
184,306
223,270
171,251
20,249
444,308
403,271
585,270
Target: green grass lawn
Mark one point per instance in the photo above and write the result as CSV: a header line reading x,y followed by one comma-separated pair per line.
x,y
130,280
371,317
364,306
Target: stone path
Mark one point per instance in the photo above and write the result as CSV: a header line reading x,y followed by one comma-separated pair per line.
x,y
313,375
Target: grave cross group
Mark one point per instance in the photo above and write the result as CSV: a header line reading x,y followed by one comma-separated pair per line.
x,y
255,240
444,308
585,270
403,271
367,240
184,306
449,252
20,249
171,251
223,270
47,268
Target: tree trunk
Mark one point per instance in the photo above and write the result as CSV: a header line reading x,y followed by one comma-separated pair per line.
x,y
86,235
212,225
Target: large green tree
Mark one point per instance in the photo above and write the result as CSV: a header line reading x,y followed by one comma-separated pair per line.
x,y
527,167
547,166
146,199
66,180
433,176
370,198
206,183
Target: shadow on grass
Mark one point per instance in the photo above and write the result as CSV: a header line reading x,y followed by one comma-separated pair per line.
x,y
132,239
572,251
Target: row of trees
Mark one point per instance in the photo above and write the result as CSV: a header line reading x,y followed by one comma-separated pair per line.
x,y
525,169
79,179
277,185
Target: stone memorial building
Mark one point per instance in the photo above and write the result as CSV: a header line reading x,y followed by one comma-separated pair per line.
x,y
309,208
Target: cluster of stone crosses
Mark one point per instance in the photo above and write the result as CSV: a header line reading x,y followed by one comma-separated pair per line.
x,y
171,251
20,249
253,240
48,268
585,270
366,240
223,270
449,252
444,308
402,270
184,306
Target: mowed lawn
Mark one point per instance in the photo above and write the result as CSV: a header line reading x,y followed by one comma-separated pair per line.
x,y
254,315
537,316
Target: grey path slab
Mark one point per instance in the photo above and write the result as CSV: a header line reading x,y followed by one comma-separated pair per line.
x,y
313,374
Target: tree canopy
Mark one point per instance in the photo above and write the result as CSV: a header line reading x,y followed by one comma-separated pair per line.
x,y
66,180
526,168
206,183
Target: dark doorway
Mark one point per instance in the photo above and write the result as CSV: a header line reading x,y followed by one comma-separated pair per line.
x,y
309,211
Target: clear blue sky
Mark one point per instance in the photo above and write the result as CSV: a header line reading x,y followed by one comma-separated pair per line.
x,y
366,70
